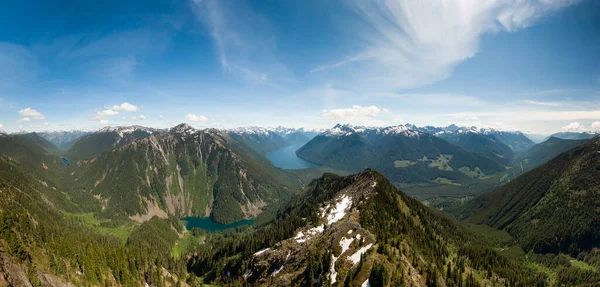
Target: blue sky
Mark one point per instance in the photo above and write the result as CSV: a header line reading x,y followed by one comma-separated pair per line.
x,y
531,65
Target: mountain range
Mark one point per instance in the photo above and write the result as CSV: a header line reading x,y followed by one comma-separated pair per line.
x,y
402,153
106,210
574,135
485,140
63,139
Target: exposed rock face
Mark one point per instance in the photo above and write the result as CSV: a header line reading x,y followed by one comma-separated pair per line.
x,y
12,274
184,172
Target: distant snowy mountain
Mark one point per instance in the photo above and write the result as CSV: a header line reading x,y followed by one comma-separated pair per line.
x,y
515,140
401,152
575,135
63,139
107,138
264,140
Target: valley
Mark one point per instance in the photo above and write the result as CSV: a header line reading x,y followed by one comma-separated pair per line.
x,y
352,143
220,204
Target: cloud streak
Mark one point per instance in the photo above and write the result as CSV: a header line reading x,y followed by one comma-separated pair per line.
x,y
245,47
409,44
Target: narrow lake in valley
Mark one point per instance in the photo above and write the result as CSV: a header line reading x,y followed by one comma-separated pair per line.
x,y
207,224
286,158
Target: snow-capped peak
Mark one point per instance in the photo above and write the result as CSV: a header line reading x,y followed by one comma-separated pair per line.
x,y
124,130
183,129
344,130
280,130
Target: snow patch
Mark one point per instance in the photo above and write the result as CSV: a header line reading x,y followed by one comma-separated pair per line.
x,y
366,284
345,244
332,273
339,211
277,271
300,236
261,251
355,258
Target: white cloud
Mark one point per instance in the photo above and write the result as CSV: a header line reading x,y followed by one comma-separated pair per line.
x,y
104,122
355,115
142,117
195,118
408,44
105,113
1,126
114,110
23,120
472,118
160,116
32,114
573,127
126,107
596,126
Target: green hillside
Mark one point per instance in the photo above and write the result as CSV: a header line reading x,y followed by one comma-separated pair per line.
x,y
200,173
552,208
402,154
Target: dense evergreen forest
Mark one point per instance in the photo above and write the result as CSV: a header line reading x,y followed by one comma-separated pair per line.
x,y
380,235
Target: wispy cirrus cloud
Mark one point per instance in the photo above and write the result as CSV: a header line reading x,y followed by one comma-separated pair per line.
x,y
539,103
408,44
243,40
17,65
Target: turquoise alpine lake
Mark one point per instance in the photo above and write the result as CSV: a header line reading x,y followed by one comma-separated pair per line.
x,y
209,225
286,158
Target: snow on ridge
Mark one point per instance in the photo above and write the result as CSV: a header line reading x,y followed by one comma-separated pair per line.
x,y
332,272
345,244
280,130
355,258
301,237
344,130
275,272
339,211
366,284
259,252
123,130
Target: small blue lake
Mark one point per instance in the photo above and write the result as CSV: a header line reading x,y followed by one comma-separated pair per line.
x,y
65,161
286,158
207,224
